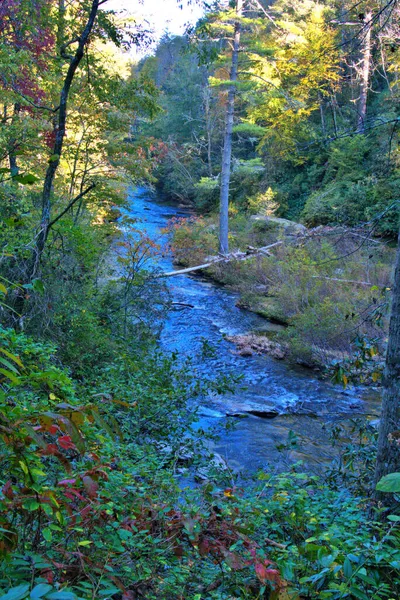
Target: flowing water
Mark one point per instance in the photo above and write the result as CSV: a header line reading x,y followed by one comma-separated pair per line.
x,y
307,405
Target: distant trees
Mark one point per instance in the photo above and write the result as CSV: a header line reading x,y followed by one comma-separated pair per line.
x,y
309,78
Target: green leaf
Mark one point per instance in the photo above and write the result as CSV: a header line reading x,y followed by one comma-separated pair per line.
x,y
109,591
3,289
62,596
394,518
27,179
40,590
17,593
85,543
47,534
11,376
16,359
347,568
7,364
390,483
37,285
358,593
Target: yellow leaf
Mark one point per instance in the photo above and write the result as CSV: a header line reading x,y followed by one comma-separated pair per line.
x,y
24,467
52,397
85,543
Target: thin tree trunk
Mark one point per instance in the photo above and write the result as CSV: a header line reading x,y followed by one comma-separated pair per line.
x,y
227,151
61,24
322,113
365,72
388,457
12,156
59,132
207,107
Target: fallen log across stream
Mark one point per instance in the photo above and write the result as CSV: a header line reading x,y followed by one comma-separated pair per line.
x,y
213,260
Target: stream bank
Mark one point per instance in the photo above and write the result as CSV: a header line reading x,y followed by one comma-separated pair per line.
x,y
299,401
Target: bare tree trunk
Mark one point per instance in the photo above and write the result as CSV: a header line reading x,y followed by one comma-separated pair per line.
x,y
365,71
227,151
388,457
59,132
207,94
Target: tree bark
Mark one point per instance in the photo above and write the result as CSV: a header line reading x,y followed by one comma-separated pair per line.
x,y
59,132
388,457
12,156
207,109
61,24
227,151
365,72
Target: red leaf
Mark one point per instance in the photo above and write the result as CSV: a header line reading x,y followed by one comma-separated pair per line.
x,y
65,441
233,560
49,576
8,491
267,575
51,449
67,482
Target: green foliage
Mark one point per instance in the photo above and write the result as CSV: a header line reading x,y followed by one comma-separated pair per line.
x,y
390,483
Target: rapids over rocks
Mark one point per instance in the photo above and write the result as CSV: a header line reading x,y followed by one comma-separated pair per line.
x,y
273,398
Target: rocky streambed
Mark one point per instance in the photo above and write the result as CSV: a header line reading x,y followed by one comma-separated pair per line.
x,y
281,412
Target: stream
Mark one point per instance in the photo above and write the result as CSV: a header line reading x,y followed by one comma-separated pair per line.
x,y
308,406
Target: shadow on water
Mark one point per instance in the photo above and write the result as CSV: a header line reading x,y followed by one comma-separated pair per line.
x,y
306,405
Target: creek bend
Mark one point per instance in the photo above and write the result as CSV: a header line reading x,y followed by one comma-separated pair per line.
x,y
307,405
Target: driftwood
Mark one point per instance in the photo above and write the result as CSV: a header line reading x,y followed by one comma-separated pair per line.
x,y
213,260
343,280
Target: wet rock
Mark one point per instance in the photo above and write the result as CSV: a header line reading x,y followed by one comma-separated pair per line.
x,y
209,412
246,351
264,414
238,415
249,344
308,364
216,463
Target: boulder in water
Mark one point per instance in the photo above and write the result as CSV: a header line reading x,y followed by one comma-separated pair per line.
x,y
249,344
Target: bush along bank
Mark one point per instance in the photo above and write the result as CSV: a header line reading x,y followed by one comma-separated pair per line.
x,y
327,286
92,506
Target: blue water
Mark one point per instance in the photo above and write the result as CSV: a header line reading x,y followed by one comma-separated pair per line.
x,y
270,384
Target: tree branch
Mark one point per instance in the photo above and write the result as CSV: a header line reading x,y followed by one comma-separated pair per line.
x,y
71,204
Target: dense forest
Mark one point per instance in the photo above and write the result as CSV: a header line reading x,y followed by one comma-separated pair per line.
x,y
267,139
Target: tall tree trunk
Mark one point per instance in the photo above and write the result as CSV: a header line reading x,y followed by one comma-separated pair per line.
x,y
61,24
388,457
365,71
12,156
207,94
227,151
59,133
